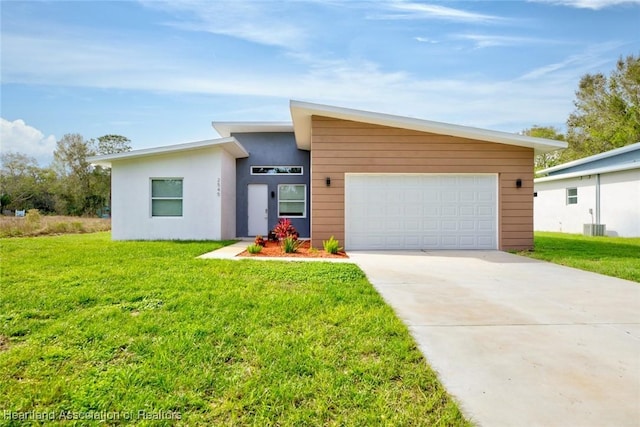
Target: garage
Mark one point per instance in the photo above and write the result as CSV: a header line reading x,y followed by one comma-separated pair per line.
x,y
421,211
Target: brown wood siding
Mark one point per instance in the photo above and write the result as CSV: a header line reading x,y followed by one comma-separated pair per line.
x,y
340,146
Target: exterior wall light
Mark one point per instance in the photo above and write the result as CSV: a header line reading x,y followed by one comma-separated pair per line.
x,y
328,181
518,183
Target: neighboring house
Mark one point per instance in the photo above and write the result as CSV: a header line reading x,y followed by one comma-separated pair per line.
x,y
374,181
600,189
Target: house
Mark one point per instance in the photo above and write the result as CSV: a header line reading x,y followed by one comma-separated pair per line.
x,y
601,189
374,181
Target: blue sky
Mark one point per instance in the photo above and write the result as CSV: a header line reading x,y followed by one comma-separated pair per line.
x,y
159,72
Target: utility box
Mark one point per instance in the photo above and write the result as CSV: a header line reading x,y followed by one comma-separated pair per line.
x,y
594,229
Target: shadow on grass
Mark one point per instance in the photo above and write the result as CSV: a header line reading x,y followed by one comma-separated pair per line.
x,y
589,248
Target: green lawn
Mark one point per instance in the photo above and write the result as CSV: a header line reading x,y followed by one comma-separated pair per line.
x,y
91,327
613,256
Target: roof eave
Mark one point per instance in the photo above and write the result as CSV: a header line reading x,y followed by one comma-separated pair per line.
x,y
596,171
301,113
600,156
231,145
226,129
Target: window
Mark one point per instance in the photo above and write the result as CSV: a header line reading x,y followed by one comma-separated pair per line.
x,y
572,196
276,170
292,200
166,197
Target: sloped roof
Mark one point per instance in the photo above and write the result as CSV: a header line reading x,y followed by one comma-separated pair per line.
x,y
586,172
230,145
592,159
301,113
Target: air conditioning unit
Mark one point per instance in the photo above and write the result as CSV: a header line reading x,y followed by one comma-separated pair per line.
x,y
594,229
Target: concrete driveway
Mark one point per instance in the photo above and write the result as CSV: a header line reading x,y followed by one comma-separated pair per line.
x,y
519,342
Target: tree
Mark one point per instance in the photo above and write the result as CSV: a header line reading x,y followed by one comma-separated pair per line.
x,y
607,113
108,144
74,172
113,144
24,184
546,160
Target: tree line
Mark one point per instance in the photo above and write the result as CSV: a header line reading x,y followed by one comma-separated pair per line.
x,y
69,186
606,116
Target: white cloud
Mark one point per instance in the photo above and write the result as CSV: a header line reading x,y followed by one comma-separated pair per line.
x,y
17,136
484,41
254,21
540,96
426,40
576,64
400,9
589,4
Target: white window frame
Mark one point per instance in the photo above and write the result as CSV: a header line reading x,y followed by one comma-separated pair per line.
x,y
572,199
276,172
304,212
152,198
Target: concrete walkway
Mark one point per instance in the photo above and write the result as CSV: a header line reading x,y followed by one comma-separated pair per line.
x,y
519,342
231,252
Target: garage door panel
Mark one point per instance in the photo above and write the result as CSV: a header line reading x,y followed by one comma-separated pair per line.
x,y
420,211
467,210
484,225
485,196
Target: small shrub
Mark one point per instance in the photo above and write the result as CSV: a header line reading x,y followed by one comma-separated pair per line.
x,y
33,217
60,228
284,229
254,249
259,241
331,246
290,244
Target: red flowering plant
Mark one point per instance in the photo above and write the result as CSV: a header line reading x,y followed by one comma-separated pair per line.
x,y
259,241
284,229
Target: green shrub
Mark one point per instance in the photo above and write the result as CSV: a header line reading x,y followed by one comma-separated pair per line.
x,y
331,246
33,217
254,249
290,244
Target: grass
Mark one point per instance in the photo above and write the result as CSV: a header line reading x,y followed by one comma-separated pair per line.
x,y
41,225
612,256
92,326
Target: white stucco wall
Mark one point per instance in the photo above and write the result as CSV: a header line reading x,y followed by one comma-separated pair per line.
x,y
619,204
228,195
131,196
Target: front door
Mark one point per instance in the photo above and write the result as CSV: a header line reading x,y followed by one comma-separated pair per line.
x,y
258,221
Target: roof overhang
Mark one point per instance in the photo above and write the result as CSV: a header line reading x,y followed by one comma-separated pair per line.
x,y
231,145
595,171
226,129
595,157
302,112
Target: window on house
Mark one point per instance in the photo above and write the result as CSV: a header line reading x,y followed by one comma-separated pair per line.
x,y
166,197
276,170
292,200
572,196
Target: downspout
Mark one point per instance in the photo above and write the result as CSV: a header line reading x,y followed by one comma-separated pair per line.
x,y
597,198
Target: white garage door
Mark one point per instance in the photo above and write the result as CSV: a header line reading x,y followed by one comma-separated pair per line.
x,y
420,211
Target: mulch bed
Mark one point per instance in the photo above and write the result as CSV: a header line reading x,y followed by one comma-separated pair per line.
x,y
273,249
